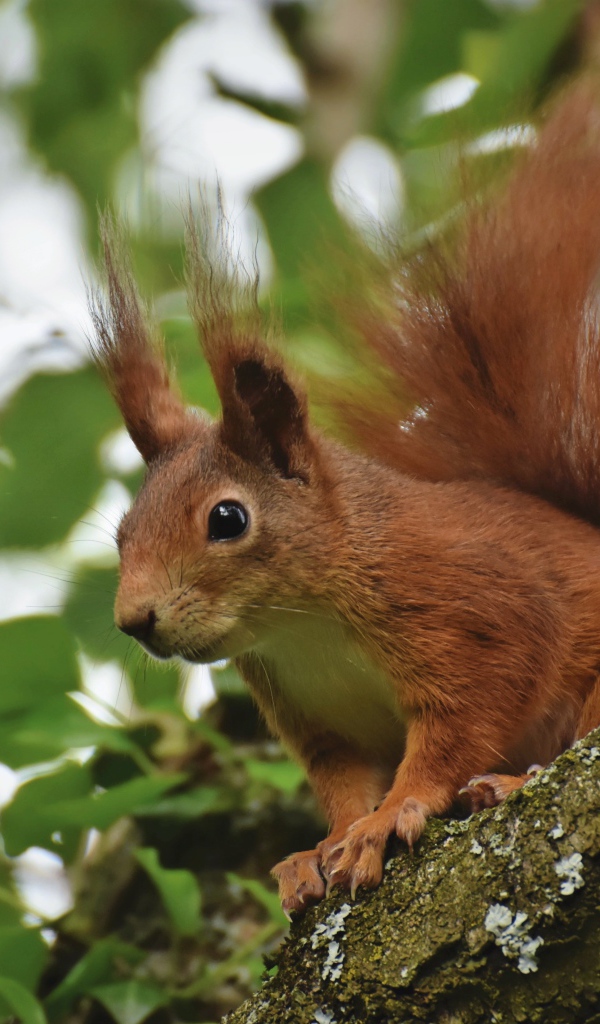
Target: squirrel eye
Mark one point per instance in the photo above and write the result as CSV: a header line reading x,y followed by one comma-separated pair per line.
x,y
227,521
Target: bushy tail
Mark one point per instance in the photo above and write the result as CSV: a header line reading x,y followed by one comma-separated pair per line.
x,y
499,346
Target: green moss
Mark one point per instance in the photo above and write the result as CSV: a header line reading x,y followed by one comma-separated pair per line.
x,y
417,949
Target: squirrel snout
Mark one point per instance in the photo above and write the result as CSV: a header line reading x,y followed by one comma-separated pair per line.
x,y
141,626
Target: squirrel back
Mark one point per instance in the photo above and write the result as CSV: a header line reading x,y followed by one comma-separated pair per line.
x,y
496,342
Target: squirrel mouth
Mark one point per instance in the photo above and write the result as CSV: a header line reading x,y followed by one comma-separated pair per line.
x,y
195,655
155,652
215,648
202,655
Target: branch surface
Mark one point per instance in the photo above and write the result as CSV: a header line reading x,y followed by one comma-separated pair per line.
x,y
494,919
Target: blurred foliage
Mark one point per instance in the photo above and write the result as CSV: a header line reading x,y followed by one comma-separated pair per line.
x,y
167,826
81,108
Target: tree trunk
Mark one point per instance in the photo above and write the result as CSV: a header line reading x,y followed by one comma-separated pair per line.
x,y
494,919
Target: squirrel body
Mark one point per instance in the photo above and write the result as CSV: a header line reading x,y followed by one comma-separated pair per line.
x,y
420,616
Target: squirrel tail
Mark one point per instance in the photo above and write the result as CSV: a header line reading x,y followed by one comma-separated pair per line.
x,y
497,347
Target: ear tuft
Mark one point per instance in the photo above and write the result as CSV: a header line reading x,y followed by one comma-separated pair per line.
x,y
264,413
278,414
128,351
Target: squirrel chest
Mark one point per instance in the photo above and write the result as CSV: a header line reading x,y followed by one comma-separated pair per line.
x,y
315,665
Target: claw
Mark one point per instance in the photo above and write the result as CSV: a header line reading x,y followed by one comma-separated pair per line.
x,y
490,790
477,780
478,792
353,887
331,881
534,769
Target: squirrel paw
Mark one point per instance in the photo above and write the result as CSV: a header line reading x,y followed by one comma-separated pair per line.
x,y
358,858
300,881
490,790
411,820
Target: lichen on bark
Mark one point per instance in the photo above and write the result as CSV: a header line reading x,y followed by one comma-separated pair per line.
x,y
494,919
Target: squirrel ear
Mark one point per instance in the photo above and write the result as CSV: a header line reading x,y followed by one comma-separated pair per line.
x,y
128,352
277,414
264,413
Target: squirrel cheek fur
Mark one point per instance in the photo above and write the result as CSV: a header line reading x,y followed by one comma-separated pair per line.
x,y
425,613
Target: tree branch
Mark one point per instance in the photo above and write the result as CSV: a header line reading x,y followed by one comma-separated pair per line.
x,y
494,919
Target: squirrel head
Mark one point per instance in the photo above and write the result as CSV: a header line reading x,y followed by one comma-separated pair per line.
x,y
222,532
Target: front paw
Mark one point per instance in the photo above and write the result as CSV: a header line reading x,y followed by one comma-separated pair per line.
x,y
357,859
300,881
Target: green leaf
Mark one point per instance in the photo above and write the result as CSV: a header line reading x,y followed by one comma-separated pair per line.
x,y
23,955
29,820
283,775
96,966
267,899
216,739
193,372
51,729
89,614
203,800
179,892
430,46
99,810
520,59
156,684
38,660
81,107
511,63
300,217
130,1002
25,1007
52,429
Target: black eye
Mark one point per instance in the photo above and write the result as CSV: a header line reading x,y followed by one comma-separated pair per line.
x,y
227,520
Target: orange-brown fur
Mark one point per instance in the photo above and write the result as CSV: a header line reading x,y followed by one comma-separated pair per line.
x,y
428,611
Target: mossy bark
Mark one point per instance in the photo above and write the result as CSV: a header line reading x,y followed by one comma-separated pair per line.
x,y
494,919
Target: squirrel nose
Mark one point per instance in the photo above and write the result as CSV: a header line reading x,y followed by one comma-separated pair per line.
x,y
141,627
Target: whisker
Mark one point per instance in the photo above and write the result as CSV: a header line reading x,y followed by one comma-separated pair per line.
x,y
104,516
55,585
501,758
264,668
130,648
68,579
111,634
96,526
51,575
166,570
299,633
298,611
92,540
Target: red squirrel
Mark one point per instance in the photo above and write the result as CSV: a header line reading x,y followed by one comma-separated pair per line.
x,y
423,615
